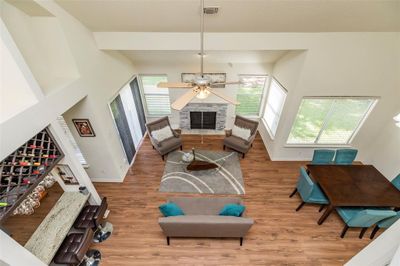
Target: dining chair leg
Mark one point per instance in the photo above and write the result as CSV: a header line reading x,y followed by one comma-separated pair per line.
x,y
363,230
294,192
374,231
325,215
300,206
321,208
346,227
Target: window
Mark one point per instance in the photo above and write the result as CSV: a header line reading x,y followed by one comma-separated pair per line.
x,y
157,99
68,134
273,109
329,120
250,94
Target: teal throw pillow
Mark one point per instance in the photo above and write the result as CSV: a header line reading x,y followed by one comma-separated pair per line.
x,y
170,209
232,210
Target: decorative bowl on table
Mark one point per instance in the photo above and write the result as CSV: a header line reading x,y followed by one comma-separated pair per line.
x,y
187,157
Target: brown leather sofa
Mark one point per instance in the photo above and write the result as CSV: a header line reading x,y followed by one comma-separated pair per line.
x,y
239,144
202,219
74,248
91,216
168,145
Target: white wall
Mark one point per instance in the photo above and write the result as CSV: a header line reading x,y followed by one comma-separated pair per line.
x,y
99,76
15,93
173,71
14,255
385,150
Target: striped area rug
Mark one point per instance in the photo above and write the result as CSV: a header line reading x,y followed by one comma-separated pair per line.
x,y
226,179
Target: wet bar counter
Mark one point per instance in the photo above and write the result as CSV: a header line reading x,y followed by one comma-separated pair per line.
x,y
48,237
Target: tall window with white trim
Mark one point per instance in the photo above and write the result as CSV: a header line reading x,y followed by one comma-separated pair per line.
x,y
250,94
274,106
157,99
70,137
329,120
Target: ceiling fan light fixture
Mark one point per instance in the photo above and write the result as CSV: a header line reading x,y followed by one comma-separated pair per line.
x,y
203,94
397,118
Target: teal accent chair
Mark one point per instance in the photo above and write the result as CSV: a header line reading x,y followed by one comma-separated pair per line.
x,y
309,191
360,217
386,223
396,182
345,156
323,156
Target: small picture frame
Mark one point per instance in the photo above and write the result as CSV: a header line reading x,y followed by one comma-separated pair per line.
x,y
84,127
66,174
214,77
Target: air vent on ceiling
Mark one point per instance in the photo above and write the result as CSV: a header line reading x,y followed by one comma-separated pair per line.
x,y
211,10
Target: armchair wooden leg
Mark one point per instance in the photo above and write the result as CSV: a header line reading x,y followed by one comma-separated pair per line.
x,y
181,147
168,240
346,227
241,241
321,208
374,231
363,230
294,192
300,206
243,155
223,147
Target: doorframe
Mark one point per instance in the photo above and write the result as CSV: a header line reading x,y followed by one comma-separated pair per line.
x,y
115,95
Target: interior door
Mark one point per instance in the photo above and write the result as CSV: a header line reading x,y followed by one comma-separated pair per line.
x,y
123,127
139,104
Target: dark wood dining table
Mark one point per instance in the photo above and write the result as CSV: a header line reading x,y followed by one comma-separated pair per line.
x,y
354,186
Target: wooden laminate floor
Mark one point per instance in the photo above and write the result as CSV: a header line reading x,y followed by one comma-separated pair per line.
x,y
280,236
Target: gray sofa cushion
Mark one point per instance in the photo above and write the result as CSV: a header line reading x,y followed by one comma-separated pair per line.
x,y
205,226
203,206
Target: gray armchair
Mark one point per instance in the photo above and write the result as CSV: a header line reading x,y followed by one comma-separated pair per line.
x,y
239,144
167,145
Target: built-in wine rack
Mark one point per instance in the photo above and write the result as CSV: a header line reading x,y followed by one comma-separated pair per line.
x,y
21,171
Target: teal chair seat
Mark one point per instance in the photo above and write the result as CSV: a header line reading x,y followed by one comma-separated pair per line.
x,y
385,223
345,156
364,218
323,156
347,213
309,191
396,182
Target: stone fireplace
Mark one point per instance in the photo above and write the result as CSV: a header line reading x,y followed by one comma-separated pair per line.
x,y
203,116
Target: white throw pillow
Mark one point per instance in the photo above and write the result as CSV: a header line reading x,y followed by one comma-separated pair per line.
x,y
162,134
243,133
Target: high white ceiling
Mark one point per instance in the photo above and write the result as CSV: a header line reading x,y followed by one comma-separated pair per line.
x,y
237,15
212,57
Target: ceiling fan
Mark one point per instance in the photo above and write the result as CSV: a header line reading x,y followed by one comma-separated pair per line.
x,y
202,86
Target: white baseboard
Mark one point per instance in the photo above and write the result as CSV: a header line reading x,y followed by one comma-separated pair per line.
x,y
107,180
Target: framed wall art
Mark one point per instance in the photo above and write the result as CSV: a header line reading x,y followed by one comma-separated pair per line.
x,y
84,127
214,77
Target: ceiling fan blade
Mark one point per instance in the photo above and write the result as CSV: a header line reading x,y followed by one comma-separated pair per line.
x,y
184,100
174,85
225,83
223,96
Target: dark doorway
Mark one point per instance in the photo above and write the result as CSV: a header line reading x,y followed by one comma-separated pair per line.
x,y
203,120
123,128
139,105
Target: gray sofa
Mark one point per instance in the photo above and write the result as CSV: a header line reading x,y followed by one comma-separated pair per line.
x,y
201,219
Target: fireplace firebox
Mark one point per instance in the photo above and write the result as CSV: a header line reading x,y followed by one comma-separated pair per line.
x,y
203,120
